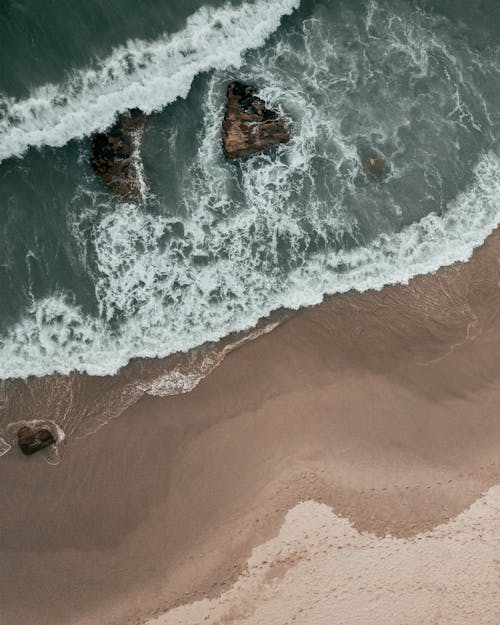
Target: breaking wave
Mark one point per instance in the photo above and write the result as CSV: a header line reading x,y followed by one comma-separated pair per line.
x,y
176,311
283,229
144,74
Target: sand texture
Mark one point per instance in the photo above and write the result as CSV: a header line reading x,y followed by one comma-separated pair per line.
x,y
319,570
379,410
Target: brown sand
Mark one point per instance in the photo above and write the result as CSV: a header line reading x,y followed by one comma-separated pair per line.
x,y
383,406
320,570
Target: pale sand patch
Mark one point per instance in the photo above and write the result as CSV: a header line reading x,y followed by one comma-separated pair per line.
x,y
320,570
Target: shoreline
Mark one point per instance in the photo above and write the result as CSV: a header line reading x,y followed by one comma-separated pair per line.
x,y
381,405
112,395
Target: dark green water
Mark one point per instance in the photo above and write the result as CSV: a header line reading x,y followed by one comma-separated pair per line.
x,y
88,282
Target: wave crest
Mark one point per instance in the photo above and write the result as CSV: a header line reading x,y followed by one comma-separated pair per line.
x,y
147,75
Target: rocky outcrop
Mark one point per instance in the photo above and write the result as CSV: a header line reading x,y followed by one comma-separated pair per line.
x,y
249,126
374,165
31,440
116,155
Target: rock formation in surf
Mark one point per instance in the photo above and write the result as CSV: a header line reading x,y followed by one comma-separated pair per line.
x,y
248,125
374,165
116,155
31,440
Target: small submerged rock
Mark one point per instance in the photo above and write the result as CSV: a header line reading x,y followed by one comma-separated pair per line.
x,y
116,155
374,165
249,126
31,441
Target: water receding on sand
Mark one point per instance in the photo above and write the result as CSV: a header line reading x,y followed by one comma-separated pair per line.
x,y
91,282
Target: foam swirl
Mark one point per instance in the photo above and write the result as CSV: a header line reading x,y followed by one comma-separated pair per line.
x,y
237,241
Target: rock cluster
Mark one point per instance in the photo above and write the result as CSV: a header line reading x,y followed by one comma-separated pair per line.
x,y
116,154
249,126
31,440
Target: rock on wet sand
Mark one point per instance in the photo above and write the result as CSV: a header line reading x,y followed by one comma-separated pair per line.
x,y
31,441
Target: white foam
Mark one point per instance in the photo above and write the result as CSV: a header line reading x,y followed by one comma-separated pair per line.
x,y
56,336
144,74
10,437
138,164
5,447
184,378
281,244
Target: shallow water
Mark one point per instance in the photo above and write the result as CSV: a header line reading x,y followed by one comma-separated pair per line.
x,y
88,282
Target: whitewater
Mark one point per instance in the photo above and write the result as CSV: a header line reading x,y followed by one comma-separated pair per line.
x,y
142,74
238,241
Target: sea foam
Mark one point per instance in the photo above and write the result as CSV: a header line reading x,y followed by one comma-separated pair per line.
x,y
56,336
144,74
283,229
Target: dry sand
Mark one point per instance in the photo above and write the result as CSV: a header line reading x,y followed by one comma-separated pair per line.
x,y
378,409
320,570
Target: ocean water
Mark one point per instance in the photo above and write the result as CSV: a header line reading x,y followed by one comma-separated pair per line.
x,y
89,282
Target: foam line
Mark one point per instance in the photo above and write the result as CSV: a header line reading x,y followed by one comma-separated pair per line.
x,y
144,74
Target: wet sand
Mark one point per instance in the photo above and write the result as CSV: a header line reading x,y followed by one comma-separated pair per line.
x,y
382,406
319,569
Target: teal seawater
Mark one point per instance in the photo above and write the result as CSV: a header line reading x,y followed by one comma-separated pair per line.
x,y
88,282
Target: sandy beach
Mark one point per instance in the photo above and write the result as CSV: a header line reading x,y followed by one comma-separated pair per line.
x,y
250,312
352,454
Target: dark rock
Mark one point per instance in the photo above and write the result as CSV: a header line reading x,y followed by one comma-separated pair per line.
x,y
248,125
116,154
374,165
31,440
239,89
